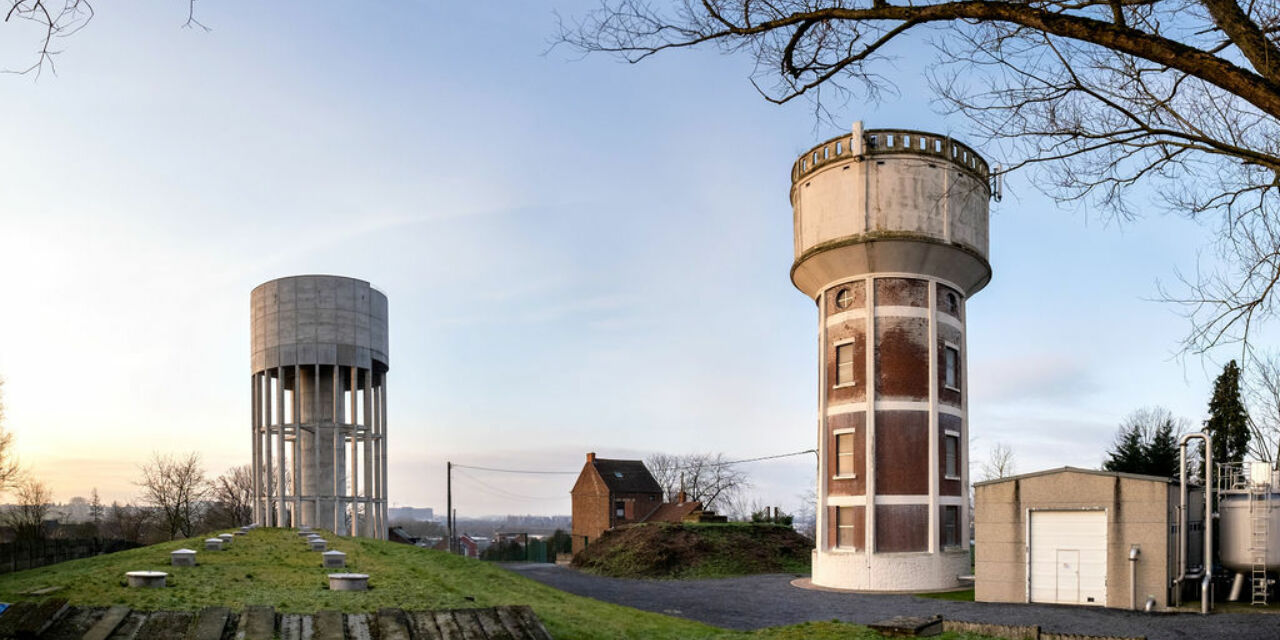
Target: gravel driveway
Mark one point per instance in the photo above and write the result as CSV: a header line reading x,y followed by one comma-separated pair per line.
x,y
753,602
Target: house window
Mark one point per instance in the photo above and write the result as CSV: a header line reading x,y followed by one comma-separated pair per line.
x,y
844,528
844,455
952,448
620,508
951,367
844,364
951,526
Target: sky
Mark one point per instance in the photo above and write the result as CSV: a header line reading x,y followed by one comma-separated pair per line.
x,y
579,254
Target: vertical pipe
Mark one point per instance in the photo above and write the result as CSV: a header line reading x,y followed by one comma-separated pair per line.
x,y
1207,570
281,520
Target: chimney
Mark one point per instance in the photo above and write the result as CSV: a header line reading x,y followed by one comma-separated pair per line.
x,y
681,498
591,457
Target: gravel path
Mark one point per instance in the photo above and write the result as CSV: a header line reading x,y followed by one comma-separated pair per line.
x,y
753,602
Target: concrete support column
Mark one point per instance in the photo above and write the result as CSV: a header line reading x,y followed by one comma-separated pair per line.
x,y
370,528
336,436
281,470
353,469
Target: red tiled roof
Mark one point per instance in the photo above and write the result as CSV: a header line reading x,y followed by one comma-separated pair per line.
x,y
673,511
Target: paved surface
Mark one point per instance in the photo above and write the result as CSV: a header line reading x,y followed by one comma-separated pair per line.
x,y
753,602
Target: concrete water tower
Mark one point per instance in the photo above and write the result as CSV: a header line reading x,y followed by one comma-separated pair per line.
x,y
891,241
319,353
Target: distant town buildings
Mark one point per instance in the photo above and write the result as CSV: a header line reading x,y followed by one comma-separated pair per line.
x,y
416,514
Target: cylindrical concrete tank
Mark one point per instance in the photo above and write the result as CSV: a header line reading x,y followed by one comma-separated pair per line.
x,y
319,362
1236,513
890,242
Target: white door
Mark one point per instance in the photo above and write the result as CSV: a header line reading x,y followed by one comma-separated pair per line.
x,y
1069,557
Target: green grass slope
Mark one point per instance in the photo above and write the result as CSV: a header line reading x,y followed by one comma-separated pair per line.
x,y
711,550
273,567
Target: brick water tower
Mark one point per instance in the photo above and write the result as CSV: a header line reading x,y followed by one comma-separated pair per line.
x,y
891,241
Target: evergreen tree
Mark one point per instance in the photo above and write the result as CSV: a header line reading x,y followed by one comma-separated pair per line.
x,y
1146,443
1162,450
1127,454
1228,422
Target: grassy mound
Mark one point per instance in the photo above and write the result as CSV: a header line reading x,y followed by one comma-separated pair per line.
x,y
663,550
272,567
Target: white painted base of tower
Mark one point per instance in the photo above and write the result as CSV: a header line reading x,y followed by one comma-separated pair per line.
x,y
890,571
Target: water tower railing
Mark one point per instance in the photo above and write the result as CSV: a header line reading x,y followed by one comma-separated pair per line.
x,y
896,141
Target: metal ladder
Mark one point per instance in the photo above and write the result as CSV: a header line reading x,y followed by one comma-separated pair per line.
x,y
1259,514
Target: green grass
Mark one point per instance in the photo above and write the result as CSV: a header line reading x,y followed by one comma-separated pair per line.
x,y
272,567
958,596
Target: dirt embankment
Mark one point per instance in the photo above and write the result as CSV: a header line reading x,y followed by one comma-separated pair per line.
x,y
696,551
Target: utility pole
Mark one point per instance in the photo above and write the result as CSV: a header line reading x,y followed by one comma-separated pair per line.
x,y
448,510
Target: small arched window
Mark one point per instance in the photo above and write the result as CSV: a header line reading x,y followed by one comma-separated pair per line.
x,y
953,304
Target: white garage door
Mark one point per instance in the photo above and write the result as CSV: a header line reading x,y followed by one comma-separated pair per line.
x,y
1069,557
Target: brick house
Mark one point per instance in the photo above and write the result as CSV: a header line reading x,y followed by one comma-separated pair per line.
x,y
611,493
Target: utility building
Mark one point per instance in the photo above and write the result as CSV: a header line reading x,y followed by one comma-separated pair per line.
x,y
890,242
319,389
1081,536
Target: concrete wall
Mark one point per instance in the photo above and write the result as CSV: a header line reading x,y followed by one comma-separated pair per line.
x,y
1139,512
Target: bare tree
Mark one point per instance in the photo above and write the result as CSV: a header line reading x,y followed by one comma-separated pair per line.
x,y
128,522
10,470
32,504
175,486
1092,96
232,498
1000,462
709,478
1261,389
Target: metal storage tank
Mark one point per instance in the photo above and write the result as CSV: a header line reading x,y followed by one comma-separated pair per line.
x,y
1248,522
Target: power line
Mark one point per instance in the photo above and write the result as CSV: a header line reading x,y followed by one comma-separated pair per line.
x,y
529,471
696,466
492,490
733,462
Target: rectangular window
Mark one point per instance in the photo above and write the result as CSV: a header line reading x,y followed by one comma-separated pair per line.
x,y
844,454
951,526
844,528
952,444
951,367
844,364
620,508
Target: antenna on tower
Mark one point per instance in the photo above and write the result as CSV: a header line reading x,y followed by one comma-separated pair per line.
x,y
997,183
856,142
